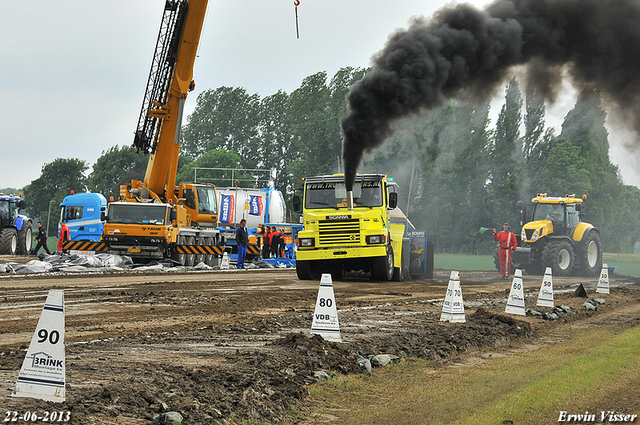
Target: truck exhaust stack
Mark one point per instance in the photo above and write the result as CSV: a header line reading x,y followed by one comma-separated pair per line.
x,y
350,200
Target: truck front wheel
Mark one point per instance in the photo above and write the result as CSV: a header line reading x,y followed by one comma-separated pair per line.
x,y
383,266
305,270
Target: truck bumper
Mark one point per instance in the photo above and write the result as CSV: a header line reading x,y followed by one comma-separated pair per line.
x,y
148,252
340,253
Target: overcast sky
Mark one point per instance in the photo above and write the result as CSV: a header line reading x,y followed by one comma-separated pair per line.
x,y
73,73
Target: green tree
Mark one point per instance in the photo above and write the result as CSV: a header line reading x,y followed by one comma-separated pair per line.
x,y
274,149
506,157
225,118
310,118
57,180
116,166
217,158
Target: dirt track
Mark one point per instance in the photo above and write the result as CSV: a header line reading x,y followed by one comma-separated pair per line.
x,y
236,343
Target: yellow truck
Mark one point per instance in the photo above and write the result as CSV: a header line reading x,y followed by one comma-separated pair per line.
x,y
347,231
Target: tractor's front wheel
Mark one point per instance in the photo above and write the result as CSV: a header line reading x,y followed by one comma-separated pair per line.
x,y
25,238
8,242
559,256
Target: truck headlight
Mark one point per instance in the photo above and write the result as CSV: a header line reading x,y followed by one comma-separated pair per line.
x,y
307,242
523,234
374,239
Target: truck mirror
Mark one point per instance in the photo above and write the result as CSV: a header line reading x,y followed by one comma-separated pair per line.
x,y
103,216
297,205
393,200
174,215
22,204
579,207
520,206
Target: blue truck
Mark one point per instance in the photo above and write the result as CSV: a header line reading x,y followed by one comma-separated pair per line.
x,y
81,212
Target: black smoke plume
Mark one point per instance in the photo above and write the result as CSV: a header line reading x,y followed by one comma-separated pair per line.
x,y
463,49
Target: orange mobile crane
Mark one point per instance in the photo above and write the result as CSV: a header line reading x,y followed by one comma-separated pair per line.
x,y
155,218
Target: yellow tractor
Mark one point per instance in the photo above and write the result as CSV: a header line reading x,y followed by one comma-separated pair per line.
x,y
554,235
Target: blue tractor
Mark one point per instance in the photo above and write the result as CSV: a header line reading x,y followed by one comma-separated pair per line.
x,y
15,229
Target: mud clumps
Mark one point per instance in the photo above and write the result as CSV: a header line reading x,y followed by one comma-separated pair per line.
x,y
434,340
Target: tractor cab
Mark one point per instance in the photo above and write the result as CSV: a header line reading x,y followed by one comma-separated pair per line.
x,y
550,216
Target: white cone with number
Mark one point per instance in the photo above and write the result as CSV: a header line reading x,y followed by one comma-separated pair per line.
x,y
515,303
225,261
43,371
325,318
545,297
603,282
453,307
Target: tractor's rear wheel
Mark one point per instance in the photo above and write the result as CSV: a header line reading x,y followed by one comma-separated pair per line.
x,y
559,256
8,242
589,253
25,238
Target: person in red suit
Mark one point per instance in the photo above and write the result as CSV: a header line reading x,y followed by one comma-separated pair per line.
x,y
64,236
508,243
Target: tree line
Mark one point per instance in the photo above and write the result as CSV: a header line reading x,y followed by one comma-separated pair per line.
x,y
455,172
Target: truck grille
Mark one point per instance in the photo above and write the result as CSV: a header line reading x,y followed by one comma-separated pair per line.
x,y
345,231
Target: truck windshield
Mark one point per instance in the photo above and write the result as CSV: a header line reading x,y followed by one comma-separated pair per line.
x,y
207,200
553,212
135,213
334,195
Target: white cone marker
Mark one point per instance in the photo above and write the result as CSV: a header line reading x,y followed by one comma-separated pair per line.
x,y
453,307
515,303
43,371
225,261
325,318
603,282
545,297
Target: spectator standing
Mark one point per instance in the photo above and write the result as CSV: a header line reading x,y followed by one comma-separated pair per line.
x,y
242,240
64,236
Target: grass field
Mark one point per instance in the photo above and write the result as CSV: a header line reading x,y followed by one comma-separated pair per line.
x,y
627,264
591,370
